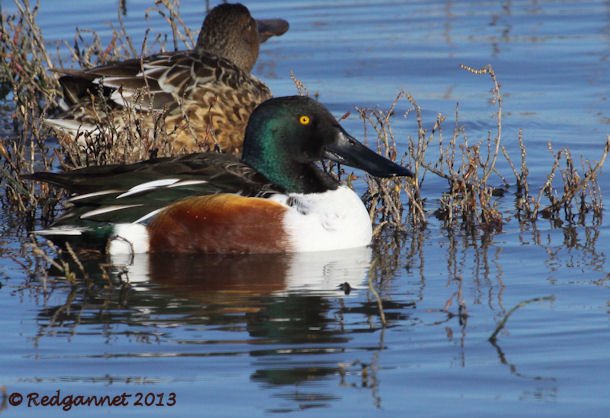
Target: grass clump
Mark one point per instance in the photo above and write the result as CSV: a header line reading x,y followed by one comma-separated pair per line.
x,y
30,92
474,181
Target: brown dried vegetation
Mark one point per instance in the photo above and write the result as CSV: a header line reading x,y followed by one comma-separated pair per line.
x,y
471,198
30,93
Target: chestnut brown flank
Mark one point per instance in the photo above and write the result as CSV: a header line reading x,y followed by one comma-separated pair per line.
x,y
221,223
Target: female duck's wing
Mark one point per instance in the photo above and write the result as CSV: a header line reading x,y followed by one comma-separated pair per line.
x,y
161,81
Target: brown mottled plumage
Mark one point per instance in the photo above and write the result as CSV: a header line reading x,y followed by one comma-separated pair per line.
x,y
202,97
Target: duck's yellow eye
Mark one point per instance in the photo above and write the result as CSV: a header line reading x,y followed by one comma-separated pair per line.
x,y
304,120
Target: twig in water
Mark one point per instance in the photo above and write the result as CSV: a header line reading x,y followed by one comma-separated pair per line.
x,y
376,296
502,323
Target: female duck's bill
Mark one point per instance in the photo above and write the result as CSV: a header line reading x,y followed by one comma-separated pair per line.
x,y
199,99
276,199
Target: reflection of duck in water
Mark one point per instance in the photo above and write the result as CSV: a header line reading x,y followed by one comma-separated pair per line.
x,y
252,306
213,284
275,199
204,96
202,275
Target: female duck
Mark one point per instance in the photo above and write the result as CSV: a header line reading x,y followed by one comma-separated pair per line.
x,y
202,97
275,199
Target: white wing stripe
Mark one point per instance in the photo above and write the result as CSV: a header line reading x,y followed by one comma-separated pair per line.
x,y
148,186
94,194
106,209
65,230
148,215
187,183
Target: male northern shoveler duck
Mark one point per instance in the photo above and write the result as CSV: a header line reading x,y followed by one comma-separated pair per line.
x,y
275,199
204,95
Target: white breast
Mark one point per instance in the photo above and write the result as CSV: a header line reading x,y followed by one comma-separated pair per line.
x,y
332,220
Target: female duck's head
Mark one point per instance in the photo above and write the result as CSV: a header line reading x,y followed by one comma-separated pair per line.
x,y
287,135
229,31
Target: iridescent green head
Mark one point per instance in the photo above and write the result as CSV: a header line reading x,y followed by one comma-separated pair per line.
x,y
287,135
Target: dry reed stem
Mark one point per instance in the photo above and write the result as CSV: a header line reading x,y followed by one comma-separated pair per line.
x,y
182,35
573,184
497,97
300,86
